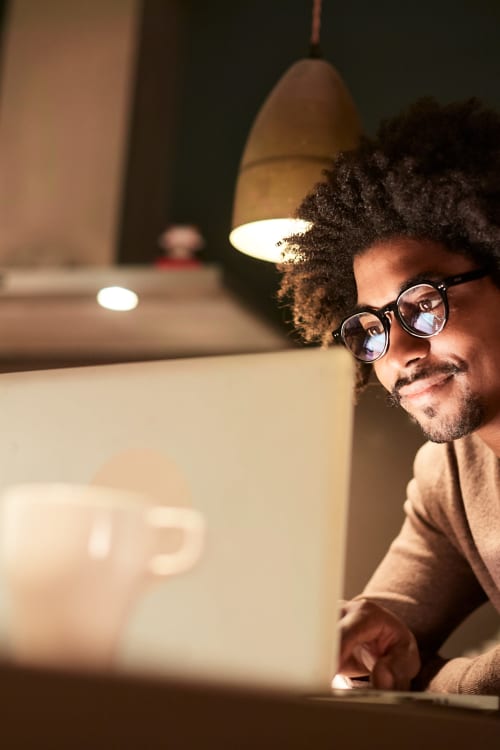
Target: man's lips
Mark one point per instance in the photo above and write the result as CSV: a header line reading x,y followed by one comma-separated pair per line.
x,y
423,385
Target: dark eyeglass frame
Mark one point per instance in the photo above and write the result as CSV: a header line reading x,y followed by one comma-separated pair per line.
x,y
382,313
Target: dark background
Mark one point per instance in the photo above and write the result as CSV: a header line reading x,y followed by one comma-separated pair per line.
x,y
228,57
204,69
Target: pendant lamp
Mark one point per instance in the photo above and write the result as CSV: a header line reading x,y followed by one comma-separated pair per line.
x,y
307,118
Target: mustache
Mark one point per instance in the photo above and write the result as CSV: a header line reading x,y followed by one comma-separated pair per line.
x,y
394,399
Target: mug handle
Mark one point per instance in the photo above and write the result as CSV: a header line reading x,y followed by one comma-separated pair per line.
x,y
193,525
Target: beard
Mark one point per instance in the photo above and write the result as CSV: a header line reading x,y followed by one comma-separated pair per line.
x,y
441,427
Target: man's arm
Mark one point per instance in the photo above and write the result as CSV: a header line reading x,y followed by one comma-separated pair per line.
x,y
376,642
476,676
421,591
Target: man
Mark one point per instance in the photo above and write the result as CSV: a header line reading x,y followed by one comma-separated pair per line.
x,y
401,265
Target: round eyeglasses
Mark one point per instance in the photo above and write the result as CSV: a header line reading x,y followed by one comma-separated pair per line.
x,y
421,309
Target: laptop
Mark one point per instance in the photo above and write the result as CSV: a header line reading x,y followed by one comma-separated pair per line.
x,y
260,445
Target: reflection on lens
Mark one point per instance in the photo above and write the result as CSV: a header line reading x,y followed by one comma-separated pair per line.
x,y
364,335
422,309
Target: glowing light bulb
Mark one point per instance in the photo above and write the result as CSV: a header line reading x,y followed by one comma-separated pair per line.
x,y
260,238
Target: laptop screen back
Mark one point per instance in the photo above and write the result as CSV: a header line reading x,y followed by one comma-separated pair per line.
x,y
260,445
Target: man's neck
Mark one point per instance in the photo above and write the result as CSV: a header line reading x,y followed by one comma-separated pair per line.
x,y
490,434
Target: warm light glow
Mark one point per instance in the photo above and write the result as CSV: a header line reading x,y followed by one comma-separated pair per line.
x,y
341,682
260,238
117,298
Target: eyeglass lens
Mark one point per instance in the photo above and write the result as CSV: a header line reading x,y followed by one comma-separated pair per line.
x,y
420,309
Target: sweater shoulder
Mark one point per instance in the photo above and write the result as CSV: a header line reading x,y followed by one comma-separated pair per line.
x,y
468,458
452,480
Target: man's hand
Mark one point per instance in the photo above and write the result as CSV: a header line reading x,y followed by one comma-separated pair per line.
x,y
374,641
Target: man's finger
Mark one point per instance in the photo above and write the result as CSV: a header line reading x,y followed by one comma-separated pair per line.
x,y
396,669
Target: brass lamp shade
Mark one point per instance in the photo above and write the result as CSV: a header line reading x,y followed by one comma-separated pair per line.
x,y
307,118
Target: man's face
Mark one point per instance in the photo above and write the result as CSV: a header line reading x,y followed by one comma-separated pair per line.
x,y
450,383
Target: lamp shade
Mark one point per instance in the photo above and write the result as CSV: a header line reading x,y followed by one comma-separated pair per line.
x,y
307,118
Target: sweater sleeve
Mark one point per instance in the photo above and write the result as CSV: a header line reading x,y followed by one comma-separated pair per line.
x,y
477,676
427,580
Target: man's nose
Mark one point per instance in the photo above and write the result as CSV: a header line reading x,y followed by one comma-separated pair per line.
x,y
403,346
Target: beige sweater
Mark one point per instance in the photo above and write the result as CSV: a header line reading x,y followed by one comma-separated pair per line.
x,y
446,560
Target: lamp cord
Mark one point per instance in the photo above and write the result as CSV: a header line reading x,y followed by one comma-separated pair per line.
x,y
314,49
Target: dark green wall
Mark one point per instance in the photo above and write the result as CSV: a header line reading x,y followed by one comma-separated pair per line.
x,y
204,69
389,53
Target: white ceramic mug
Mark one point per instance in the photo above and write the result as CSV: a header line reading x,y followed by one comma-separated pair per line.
x,y
74,559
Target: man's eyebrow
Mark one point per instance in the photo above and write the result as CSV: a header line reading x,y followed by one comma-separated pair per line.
x,y
419,278
412,281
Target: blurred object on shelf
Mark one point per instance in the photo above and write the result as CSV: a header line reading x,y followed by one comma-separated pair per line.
x,y
179,244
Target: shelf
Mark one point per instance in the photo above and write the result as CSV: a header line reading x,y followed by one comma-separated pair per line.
x,y
50,317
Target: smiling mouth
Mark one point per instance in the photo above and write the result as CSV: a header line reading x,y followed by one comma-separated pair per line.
x,y
423,386
424,383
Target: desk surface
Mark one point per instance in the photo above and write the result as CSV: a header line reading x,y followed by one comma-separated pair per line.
x,y
54,710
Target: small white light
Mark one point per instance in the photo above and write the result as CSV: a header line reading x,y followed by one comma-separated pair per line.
x,y
341,682
117,298
260,238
